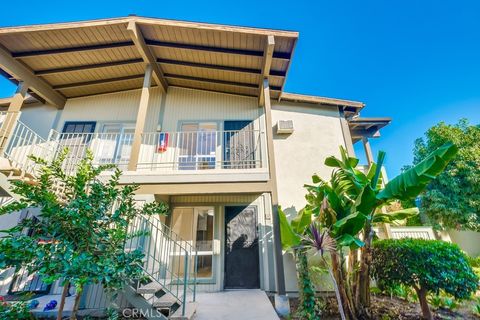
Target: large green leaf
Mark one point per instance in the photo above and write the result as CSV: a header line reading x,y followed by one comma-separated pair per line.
x,y
366,201
302,221
395,215
347,240
410,183
351,224
289,237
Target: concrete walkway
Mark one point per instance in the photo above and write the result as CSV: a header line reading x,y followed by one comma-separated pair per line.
x,y
235,305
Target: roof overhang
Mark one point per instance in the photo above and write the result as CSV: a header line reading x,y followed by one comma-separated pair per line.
x,y
100,56
367,127
348,106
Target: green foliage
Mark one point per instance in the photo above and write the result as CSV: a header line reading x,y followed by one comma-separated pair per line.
x,y
453,199
476,307
430,265
80,232
475,263
443,301
348,204
15,311
400,291
310,307
412,181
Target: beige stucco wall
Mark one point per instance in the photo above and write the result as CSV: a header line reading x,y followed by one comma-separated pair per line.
x,y
468,241
39,118
299,155
317,135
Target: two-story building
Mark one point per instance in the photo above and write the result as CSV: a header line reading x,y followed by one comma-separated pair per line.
x,y
194,113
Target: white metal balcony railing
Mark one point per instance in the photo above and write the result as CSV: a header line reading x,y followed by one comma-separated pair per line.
x,y
159,151
201,150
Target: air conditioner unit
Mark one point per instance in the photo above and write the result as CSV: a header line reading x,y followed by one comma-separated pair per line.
x,y
284,126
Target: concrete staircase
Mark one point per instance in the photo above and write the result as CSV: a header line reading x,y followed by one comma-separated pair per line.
x,y
169,290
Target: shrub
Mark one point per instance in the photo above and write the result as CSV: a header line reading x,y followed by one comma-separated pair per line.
x,y
427,266
15,311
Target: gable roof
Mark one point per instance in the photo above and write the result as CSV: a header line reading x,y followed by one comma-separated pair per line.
x,y
99,56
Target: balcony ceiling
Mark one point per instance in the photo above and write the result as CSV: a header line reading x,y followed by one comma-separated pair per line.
x,y
93,57
367,127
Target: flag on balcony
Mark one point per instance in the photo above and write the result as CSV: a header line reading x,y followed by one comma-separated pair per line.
x,y
162,142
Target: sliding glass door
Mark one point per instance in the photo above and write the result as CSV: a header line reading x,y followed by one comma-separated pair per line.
x,y
197,143
196,226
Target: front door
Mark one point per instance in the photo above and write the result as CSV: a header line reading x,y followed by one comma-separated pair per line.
x,y
241,248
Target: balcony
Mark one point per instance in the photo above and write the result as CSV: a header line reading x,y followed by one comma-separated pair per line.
x,y
164,157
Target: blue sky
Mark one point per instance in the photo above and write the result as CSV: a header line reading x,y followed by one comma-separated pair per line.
x,y
415,61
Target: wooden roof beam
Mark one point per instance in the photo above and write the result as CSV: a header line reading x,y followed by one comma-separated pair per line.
x,y
244,52
46,72
36,84
216,81
97,82
267,63
146,54
103,46
276,73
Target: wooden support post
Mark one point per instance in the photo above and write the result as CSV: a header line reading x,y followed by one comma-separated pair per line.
x,y
36,84
279,269
147,56
368,150
141,118
12,115
267,63
347,136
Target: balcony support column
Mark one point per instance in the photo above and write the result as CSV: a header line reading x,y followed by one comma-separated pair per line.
x,y
12,115
347,136
141,118
368,150
281,300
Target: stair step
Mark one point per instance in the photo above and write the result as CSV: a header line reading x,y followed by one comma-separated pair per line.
x,y
190,309
153,287
165,301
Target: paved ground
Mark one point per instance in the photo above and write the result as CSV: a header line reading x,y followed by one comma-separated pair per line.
x,y
235,305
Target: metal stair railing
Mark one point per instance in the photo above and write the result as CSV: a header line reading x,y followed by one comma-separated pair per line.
x,y
24,142
169,260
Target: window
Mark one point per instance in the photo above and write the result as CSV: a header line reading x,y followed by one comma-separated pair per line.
x,y
196,226
114,144
197,144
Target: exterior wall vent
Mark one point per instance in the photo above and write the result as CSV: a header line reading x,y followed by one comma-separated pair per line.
x,y
284,126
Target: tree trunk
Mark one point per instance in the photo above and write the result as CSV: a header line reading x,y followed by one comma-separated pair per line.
x,y
362,297
66,285
77,302
338,274
422,297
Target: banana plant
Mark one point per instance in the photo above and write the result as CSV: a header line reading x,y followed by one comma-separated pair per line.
x,y
350,202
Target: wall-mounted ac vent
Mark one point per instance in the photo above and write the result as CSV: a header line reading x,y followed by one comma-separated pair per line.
x,y
284,126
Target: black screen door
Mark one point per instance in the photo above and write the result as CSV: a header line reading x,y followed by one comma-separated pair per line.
x,y
239,144
242,270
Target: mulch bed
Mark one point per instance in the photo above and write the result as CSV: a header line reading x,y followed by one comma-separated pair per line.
x,y
389,308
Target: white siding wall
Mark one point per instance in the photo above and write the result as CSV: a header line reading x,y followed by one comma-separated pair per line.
x,y
189,104
115,107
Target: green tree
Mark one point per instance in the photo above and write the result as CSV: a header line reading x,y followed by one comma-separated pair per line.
x,y
427,266
453,199
80,232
